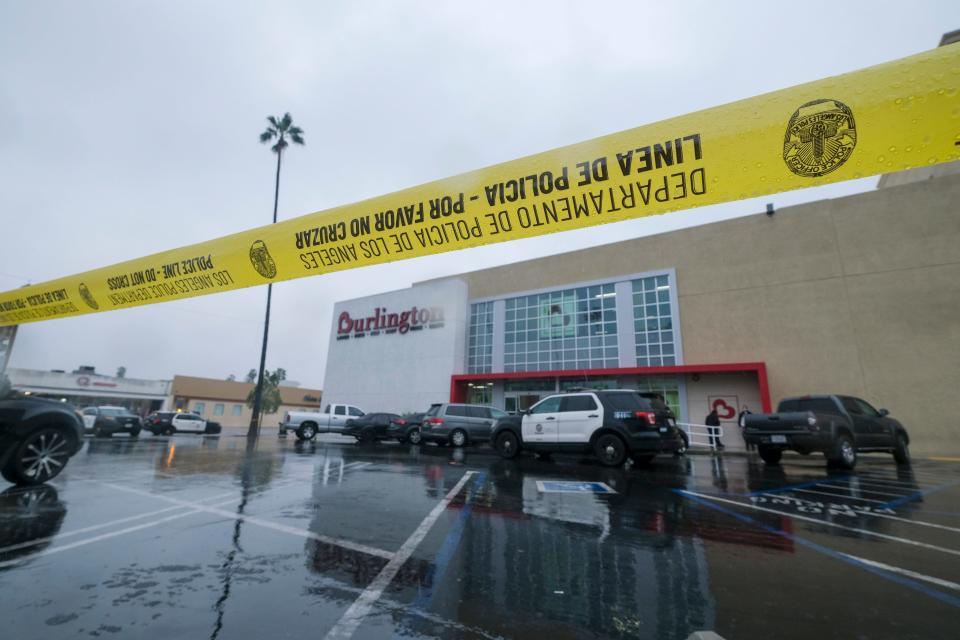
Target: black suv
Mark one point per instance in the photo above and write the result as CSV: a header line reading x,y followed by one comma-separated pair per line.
x,y
612,424
37,438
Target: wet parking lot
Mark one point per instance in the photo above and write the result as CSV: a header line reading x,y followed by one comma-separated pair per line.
x,y
197,537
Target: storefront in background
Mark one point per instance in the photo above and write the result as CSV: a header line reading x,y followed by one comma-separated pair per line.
x,y
85,387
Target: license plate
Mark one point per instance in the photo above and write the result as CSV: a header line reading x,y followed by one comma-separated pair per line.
x,y
778,439
663,429
622,415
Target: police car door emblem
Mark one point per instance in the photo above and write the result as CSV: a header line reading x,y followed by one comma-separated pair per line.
x,y
820,137
261,259
88,297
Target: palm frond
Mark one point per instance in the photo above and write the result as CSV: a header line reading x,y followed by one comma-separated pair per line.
x,y
280,146
266,135
296,130
297,138
286,121
272,120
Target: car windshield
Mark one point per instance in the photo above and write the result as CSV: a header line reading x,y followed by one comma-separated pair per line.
x,y
113,412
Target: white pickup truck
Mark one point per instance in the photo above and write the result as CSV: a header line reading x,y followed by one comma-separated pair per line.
x,y
307,424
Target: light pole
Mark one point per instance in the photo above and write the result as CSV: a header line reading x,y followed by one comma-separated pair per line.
x,y
281,129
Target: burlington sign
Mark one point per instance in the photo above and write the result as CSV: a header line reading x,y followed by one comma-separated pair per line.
x,y
413,319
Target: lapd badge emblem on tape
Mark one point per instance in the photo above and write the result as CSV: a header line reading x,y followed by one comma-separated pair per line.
x,y
261,260
88,297
820,137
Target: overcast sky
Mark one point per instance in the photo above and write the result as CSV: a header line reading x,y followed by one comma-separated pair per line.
x,y
131,127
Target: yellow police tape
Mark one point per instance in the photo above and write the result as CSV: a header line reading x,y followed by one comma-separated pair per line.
x,y
894,116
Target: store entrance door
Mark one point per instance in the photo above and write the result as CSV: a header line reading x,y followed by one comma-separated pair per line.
x,y
516,402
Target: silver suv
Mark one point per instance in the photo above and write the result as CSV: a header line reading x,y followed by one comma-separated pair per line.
x,y
459,424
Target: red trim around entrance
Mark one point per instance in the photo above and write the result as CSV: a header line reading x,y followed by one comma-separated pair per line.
x,y
458,387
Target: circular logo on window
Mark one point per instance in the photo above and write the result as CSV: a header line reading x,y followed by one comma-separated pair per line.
x,y
87,297
820,137
539,428
261,259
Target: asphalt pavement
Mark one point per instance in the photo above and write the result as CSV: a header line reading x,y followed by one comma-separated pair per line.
x,y
205,537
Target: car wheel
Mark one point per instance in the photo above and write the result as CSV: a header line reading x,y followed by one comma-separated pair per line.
x,y
507,445
682,449
771,455
39,457
901,450
307,431
98,432
367,436
458,438
611,450
135,433
414,437
169,431
643,459
844,453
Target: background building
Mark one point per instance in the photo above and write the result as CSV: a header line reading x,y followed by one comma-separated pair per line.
x,y
225,401
858,295
84,387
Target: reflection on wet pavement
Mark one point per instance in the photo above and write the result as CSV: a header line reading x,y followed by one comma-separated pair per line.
x,y
205,537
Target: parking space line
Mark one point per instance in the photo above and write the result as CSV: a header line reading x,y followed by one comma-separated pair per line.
x,y
232,515
836,495
103,536
860,489
872,513
920,494
791,487
827,523
906,572
897,577
102,525
361,607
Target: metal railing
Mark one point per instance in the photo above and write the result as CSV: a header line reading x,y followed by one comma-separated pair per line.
x,y
700,435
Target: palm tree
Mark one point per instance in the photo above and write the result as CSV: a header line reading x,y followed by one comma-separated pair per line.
x,y
279,129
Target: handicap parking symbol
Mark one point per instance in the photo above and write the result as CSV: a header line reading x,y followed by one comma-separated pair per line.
x,y
561,486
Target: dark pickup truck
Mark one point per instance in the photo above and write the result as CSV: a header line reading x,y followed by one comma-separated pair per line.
x,y
837,426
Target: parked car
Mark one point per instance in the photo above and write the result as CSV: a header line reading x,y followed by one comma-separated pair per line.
x,y
307,424
459,424
408,432
37,438
372,426
611,424
168,423
838,426
106,421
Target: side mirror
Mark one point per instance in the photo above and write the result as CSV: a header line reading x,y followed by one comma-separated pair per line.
x,y
884,413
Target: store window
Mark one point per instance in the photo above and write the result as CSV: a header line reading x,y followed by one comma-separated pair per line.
x,y
237,409
667,388
198,408
480,393
218,409
569,329
653,322
480,345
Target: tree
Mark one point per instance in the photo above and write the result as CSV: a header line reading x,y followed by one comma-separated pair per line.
x,y
280,129
121,372
270,399
251,376
231,378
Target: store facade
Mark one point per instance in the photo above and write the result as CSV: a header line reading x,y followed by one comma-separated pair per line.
x,y
854,296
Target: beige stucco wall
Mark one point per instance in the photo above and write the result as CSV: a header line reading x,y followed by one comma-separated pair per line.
x,y
858,295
